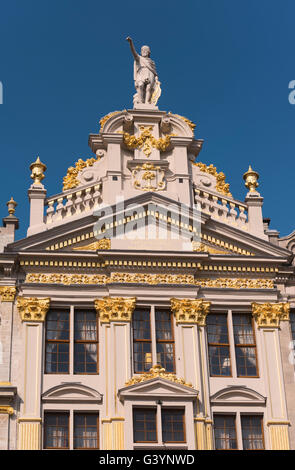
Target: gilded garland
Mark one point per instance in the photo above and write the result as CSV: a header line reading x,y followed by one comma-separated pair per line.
x,y
71,179
146,141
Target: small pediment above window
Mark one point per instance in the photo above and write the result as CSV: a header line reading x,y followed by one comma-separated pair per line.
x,y
71,393
237,396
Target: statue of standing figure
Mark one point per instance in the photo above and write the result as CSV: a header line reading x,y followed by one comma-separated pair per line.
x,y
145,76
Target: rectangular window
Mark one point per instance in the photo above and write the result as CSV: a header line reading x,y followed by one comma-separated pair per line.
x,y
292,325
173,425
57,342
165,340
142,341
145,425
218,343
245,346
86,431
56,431
252,432
86,342
225,432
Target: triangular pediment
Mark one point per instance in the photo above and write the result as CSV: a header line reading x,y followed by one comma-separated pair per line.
x,y
157,387
149,222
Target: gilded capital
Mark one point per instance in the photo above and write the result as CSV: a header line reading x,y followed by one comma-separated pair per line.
x,y
270,314
32,308
7,293
115,308
6,410
190,311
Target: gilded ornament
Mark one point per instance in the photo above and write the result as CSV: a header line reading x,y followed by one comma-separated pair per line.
x,y
7,293
187,121
6,410
221,186
190,311
71,179
241,283
251,179
146,141
115,308
37,168
104,119
32,308
11,205
103,244
203,248
270,314
148,172
157,371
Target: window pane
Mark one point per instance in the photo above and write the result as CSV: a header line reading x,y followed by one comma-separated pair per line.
x,y
57,358
225,432
141,324
85,431
57,342
57,325
56,431
218,345
173,425
144,425
86,342
142,345
142,356
245,346
165,339
252,432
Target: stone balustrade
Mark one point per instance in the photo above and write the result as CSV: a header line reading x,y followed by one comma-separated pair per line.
x,y
72,203
223,208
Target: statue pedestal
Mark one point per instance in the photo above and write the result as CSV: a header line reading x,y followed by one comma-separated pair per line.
x,y
145,106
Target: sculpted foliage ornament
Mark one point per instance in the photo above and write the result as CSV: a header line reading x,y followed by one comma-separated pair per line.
x,y
148,177
146,141
155,372
7,293
270,314
32,308
221,186
190,311
105,119
103,244
71,179
115,308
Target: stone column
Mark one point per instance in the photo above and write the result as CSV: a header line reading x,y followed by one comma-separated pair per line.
x,y
115,315
33,312
268,317
191,320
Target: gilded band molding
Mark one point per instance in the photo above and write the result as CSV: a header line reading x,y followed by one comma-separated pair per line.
x,y
32,308
115,308
157,371
7,293
270,314
190,311
6,410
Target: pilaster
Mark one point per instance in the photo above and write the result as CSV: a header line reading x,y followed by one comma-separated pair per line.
x,y
33,312
268,317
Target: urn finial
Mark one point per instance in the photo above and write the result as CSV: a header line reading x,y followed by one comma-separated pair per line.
x,y
37,168
251,179
11,206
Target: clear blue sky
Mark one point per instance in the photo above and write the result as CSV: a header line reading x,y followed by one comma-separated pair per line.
x,y
225,64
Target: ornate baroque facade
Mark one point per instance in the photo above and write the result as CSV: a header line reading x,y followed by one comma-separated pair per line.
x,y
146,307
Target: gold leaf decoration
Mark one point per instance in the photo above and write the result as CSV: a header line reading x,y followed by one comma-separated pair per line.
x,y
70,180
157,371
146,141
221,186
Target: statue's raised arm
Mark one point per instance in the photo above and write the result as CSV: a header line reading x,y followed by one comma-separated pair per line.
x,y
145,76
135,55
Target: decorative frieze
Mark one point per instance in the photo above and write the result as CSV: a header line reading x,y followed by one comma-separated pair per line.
x,y
235,283
115,308
33,308
270,314
155,372
190,311
7,293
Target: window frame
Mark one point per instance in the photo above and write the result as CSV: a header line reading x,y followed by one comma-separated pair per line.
x,y
226,415
167,408
58,341
56,413
252,346
220,345
238,415
84,413
255,415
153,341
96,341
145,408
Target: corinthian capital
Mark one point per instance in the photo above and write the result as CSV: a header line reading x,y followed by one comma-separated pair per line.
x,y
115,308
190,311
7,293
32,308
270,314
